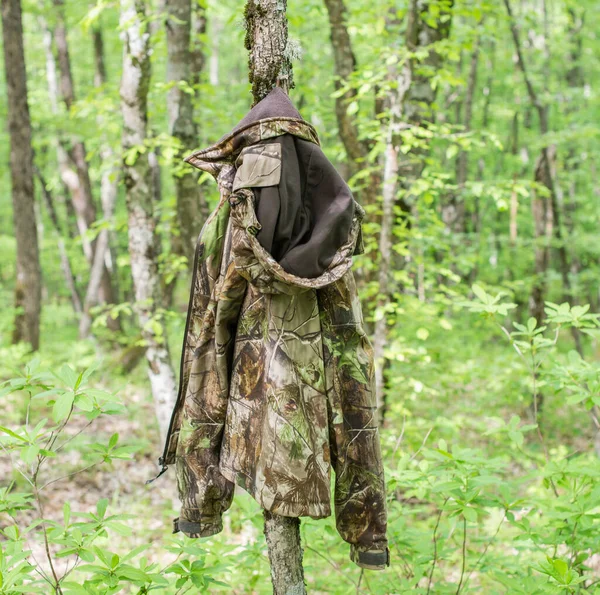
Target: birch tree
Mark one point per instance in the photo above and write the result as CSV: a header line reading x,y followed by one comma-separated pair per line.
x,y
28,274
144,245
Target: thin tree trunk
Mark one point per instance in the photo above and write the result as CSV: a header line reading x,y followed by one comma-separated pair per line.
x,y
109,181
285,554
462,158
80,186
103,258
487,90
28,272
62,158
182,127
542,214
545,175
198,62
198,44
345,65
390,189
216,28
143,241
65,263
269,65
410,103
426,25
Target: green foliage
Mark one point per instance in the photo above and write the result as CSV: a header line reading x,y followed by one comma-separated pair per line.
x,y
79,555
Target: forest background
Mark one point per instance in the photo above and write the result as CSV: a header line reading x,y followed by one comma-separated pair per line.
x,y
469,132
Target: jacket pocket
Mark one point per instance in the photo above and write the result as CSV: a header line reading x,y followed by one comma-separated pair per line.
x,y
258,166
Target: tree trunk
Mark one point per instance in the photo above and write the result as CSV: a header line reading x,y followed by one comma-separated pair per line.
x,y
80,186
65,263
269,66
285,554
409,102
428,24
462,158
108,198
345,65
28,273
182,127
198,44
266,41
216,29
198,63
143,241
542,220
545,175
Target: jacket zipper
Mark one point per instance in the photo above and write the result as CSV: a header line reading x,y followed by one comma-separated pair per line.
x,y
178,401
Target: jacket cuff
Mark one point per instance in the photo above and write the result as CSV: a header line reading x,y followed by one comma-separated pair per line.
x,y
373,559
205,528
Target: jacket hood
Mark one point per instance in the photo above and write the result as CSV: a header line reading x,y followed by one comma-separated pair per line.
x,y
274,116
299,222
276,104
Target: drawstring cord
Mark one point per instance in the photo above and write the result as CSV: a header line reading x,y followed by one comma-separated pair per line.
x,y
162,470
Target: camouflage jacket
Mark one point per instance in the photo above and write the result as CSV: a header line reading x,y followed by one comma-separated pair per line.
x,y
277,382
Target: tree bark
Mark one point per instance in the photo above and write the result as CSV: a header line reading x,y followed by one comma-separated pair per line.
x,y
198,63
285,554
427,24
198,44
345,65
28,272
269,65
180,109
462,158
216,29
144,244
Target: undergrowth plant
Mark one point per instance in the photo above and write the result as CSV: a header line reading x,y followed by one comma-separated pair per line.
x,y
60,410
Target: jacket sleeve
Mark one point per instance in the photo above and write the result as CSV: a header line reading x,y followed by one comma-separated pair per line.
x,y
360,492
204,492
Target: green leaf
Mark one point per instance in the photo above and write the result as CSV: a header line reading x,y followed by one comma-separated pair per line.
x,y
29,453
84,402
480,293
67,375
101,507
62,406
12,434
66,513
352,108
